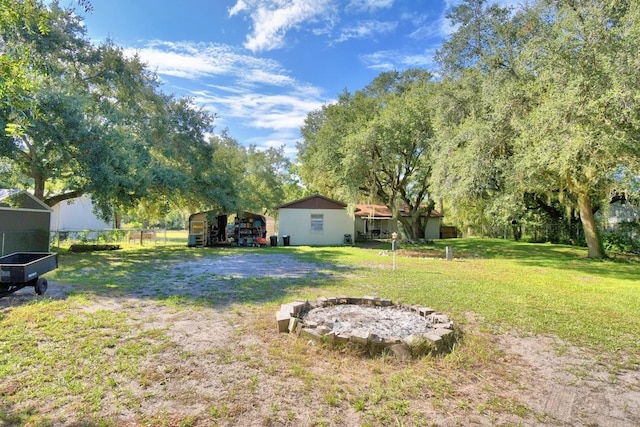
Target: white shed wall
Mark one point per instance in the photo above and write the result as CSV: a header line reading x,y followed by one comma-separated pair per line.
x,y
77,215
433,229
296,223
619,212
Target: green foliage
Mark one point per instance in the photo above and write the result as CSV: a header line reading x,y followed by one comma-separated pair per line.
x,y
483,38
259,179
581,121
375,145
267,173
623,238
93,121
17,72
541,100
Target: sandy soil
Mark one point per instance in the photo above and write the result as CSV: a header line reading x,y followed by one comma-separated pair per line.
x,y
572,386
227,367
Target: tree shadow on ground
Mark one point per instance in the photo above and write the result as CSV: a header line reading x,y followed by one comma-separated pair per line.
x,y
509,249
216,277
543,255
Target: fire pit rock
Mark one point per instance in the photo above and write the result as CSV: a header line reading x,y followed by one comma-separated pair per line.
x,y
375,325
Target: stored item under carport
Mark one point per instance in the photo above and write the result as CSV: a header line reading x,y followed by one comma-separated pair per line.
x,y
21,269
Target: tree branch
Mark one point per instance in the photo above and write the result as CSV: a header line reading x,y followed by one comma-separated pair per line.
x,y
54,200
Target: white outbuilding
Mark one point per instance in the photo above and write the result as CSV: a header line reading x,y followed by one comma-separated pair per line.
x,y
315,221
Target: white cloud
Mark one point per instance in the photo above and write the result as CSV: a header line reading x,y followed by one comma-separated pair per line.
x,y
382,61
278,116
242,90
426,27
240,6
420,60
366,29
262,111
201,60
277,139
393,60
272,19
369,5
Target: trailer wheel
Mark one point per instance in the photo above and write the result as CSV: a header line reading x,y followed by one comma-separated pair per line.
x,y
41,286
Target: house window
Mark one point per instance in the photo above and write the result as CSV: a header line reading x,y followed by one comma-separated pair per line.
x,y
317,223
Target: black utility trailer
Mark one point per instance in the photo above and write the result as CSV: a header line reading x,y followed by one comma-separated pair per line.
x,y
21,269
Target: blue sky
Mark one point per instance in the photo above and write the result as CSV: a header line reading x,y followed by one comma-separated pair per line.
x,y
262,65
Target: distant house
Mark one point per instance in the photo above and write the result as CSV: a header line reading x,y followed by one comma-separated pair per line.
x,y
376,221
318,220
75,215
314,220
24,223
620,212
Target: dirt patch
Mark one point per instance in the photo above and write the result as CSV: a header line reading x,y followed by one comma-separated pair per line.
x,y
248,265
228,366
572,386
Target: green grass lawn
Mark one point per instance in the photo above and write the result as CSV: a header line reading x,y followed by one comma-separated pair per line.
x,y
55,347
532,288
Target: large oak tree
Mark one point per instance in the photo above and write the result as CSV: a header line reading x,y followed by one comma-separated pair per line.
x,y
376,145
581,133
543,100
94,121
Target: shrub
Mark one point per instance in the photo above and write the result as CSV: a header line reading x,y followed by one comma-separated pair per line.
x,y
623,238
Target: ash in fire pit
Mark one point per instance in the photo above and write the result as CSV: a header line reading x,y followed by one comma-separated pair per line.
x,y
375,324
384,322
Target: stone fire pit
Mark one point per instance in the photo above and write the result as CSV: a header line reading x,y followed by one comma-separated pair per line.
x,y
375,325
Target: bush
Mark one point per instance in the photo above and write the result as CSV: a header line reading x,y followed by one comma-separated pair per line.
x,y
623,238
92,248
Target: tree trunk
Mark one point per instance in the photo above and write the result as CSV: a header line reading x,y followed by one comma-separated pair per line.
x,y
416,227
39,186
407,227
591,234
424,226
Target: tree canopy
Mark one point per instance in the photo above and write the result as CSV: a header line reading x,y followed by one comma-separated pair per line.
x,y
261,179
540,101
376,145
94,121
535,109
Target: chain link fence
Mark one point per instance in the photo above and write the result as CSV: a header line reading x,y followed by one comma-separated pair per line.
x,y
45,241
540,233
115,236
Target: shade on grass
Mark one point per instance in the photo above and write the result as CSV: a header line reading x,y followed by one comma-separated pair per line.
x,y
532,288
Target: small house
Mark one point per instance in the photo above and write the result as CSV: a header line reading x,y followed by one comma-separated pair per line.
x,y
314,220
318,220
24,222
